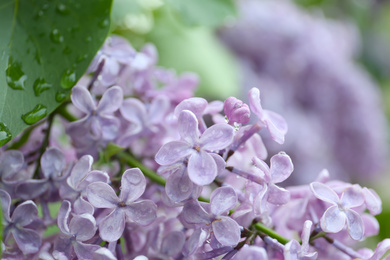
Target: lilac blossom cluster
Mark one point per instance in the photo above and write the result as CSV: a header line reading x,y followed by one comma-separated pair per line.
x,y
305,66
214,197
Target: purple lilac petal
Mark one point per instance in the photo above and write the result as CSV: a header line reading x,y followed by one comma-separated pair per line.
x,y
226,231
82,99
110,101
291,250
108,126
27,240
281,167
202,168
142,212
101,195
217,137
80,170
84,251
373,201
133,110
111,227
173,152
188,127
194,241
172,243
83,227
333,220
63,217
157,110
52,163
93,176
103,254
193,213
219,161
222,199
133,185
214,107
32,188
196,105
255,102
10,162
381,249
355,225
25,213
276,125
81,206
178,186
352,197
5,202
323,192
277,195
251,253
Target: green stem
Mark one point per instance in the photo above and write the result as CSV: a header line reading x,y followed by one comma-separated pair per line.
x,y
271,233
62,111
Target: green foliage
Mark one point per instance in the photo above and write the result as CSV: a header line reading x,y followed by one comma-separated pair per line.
x,y
45,47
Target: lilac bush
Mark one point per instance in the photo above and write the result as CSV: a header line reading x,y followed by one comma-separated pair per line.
x,y
162,176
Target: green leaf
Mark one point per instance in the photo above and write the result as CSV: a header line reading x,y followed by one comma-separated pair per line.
x,y
45,47
203,12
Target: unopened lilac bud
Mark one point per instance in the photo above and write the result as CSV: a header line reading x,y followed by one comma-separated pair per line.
x,y
236,111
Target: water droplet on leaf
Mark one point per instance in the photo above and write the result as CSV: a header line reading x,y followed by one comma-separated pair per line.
x,y
39,112
68,79
81,57
60,96
5,134
40,85
88,39
62,9
56,36
15,75
104,23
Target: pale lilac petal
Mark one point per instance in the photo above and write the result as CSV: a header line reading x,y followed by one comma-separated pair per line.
x,y
103,254
214,107
196,105
193,213
53,163
110,101
81,206
371,225
219,161
276,125
112,226
217,137
277,195
32,188
158,109
251,253
133,110
281,167
63,217
381,249
80,170
373,201
172,243
355,224
85,251
222,200
291,250
172,152
142,212
10,162
83,227
27,240
323,192
82,99
25,213
202,168
5,202
333,220
194,242
255,103
178,186
306,235
93,176
226,231
101,195
352,197
188,127
133,185
109,127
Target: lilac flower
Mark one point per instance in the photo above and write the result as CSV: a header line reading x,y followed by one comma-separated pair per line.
x,y
98,120
101,195
236,111
225,230
24,214
53,166
275,123
202,168
294,250
335,216
251,253
80,228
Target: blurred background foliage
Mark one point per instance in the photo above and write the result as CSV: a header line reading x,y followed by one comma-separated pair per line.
x,y
184,32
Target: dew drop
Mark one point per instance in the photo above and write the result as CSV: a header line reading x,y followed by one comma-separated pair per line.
x,y
15,75
5,134
40,85
88,39
56,36
39,112
45,7
104,23
67,50
62,9
81,58
60,96
68,79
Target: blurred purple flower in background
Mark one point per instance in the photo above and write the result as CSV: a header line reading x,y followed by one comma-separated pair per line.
x,y
305,67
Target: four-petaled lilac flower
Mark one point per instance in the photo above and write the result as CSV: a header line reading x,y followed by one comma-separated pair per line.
x,y
335,216
274,122
99,120
202,168
294,250
225,230
101,195
27,239
80,228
